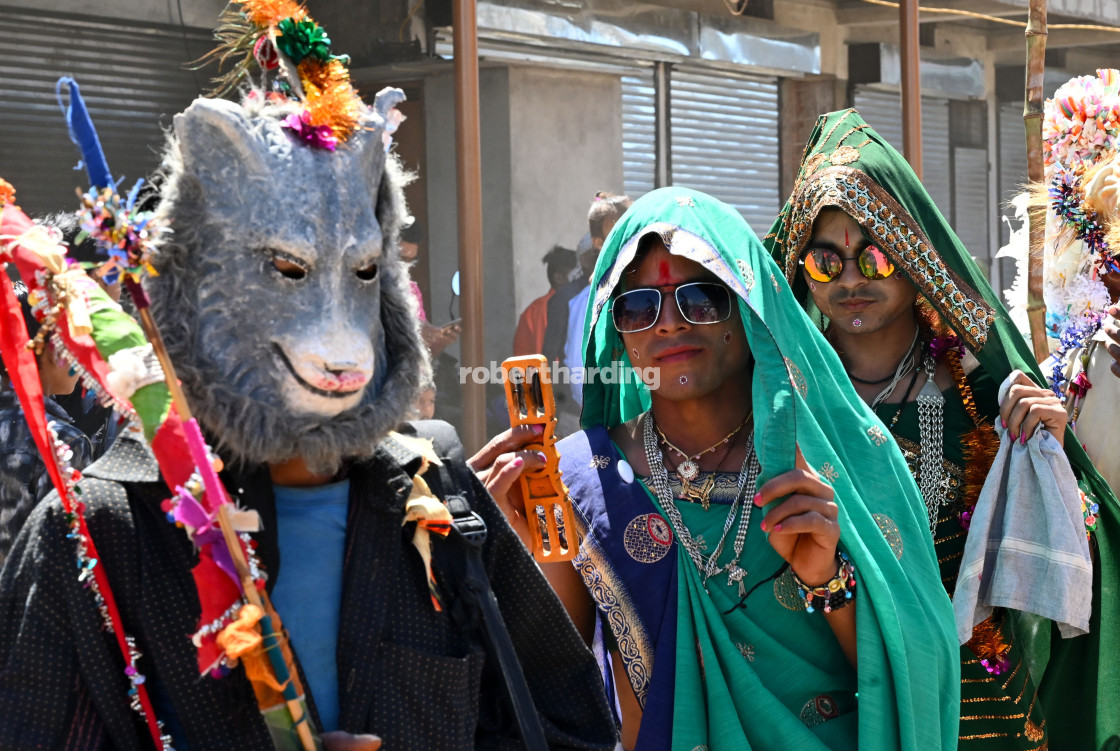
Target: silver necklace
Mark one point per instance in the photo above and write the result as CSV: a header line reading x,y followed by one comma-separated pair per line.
x,y
903,368
707,566
931,461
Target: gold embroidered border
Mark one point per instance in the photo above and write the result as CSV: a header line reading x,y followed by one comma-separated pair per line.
x,y
614,601
897,234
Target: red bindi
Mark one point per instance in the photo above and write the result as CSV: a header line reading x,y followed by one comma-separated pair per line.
x,y
664,275
846,243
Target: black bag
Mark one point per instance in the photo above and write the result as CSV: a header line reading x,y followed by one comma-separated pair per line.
x,y
463,574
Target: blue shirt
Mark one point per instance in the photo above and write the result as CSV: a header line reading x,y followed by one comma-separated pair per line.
x,y
311,531
573,346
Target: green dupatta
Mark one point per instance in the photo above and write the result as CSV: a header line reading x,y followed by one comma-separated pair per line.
x,y
908,669
848,165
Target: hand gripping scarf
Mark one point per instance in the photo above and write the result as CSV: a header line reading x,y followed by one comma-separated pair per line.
x,y
908,668
848,165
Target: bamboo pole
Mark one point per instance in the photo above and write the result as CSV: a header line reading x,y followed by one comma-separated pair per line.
x,y
911,84
1032,121
468,163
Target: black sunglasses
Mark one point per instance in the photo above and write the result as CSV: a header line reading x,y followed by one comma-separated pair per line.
x,y
699,303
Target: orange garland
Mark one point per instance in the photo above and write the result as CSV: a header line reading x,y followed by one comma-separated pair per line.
x,y
331,100
269,13
981,444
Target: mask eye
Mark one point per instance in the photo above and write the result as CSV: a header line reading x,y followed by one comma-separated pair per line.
x,y
289,269
367,273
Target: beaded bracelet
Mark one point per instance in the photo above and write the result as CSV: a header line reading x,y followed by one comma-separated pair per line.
x,y
834,594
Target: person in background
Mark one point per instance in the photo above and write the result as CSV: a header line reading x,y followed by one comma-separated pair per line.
x,y
98,422
529,337
23,477
605,212
438,338
424,408
556,331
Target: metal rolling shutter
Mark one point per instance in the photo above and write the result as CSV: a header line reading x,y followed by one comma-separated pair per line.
x,y
724,140
883,111
132,80
1012,161
970,202
639,125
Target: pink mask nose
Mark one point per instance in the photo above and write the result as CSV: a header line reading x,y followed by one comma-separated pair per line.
x,y
341,380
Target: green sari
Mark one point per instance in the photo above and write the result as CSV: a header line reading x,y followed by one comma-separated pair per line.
x,y
907,678
847,165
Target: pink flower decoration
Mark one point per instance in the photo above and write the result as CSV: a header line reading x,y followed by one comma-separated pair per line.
x,y
318,136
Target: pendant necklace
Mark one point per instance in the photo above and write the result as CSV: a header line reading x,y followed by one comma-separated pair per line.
x,y
707,566
689,469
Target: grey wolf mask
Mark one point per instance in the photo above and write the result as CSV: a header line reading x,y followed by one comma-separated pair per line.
x,y
280,292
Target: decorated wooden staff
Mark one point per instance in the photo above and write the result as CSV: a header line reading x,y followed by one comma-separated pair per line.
x,y
67,303
238,622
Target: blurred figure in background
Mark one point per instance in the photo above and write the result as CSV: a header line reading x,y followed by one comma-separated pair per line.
x,y
604,213
101,424
529,337
23,477
438,338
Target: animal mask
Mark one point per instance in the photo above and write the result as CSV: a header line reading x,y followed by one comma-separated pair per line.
x,y
280,291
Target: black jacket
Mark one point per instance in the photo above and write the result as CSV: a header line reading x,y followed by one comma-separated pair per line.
x,y
405,671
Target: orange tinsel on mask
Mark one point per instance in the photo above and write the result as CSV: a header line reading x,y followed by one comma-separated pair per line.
x,y
331,100
269,13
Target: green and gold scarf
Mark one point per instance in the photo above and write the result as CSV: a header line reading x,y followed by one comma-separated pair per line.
x,y
908,668
847,165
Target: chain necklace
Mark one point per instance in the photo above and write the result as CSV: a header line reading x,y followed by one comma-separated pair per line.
x,y
904,366
706,566
931,428
689,470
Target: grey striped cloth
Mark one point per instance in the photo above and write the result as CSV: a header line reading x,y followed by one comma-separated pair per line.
x,y
1026,548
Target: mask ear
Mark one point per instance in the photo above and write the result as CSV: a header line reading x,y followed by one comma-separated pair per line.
x,y
217,143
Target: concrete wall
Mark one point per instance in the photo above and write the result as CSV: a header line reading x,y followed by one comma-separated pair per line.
x,y
566,144
443,245
550,139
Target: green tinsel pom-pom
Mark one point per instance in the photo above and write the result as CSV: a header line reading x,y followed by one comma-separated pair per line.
x,y
303,39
